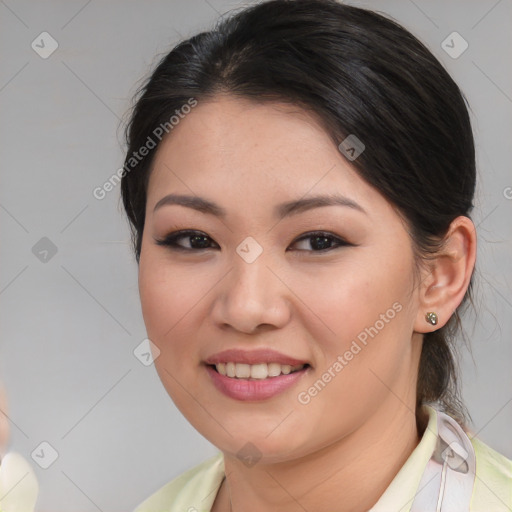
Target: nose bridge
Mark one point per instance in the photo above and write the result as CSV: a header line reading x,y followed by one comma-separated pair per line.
x,y
250,269
250,274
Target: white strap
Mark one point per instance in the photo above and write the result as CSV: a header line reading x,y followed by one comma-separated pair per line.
x,y
448,480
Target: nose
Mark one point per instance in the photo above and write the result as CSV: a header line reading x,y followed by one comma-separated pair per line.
x,y
253,297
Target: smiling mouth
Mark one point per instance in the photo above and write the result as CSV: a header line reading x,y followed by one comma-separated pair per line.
x,y
258,371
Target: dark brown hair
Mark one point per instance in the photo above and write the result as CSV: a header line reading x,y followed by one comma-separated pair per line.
x,y
361,74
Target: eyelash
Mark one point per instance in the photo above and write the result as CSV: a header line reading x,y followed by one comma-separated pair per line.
x,y
170,241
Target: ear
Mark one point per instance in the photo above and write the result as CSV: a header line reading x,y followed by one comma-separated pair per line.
x,y
445,282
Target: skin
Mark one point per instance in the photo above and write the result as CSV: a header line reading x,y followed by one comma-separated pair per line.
x,y
342,449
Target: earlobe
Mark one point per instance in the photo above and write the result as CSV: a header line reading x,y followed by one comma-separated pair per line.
x,y
445,282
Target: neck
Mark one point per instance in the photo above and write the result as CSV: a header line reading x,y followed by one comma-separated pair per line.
x,y
349,475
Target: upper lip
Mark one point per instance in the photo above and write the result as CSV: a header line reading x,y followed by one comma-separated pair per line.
x,y
252,357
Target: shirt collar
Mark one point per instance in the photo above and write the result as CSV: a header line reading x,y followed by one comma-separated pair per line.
x,y
403,488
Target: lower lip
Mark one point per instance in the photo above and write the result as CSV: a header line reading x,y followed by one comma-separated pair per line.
x,y
253,390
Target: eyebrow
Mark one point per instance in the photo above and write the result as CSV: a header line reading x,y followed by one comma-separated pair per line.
x,y
283,210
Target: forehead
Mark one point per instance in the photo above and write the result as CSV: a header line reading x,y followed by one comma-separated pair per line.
x,y
229,146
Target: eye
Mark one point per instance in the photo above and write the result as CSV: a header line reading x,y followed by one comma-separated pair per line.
x,y
319,241
190,240
194,241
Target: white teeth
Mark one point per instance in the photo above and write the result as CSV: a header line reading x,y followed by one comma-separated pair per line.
x,y
259,371
256,371
286,369
274,369
242,371
230,369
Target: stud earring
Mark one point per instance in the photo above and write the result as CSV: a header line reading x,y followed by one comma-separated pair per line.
x,y
431,318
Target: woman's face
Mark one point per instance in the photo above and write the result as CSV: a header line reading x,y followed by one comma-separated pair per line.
x,y
259,290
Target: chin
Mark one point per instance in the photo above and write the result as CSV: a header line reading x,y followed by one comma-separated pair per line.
x,y
258,441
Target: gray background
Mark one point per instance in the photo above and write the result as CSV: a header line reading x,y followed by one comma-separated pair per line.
x,y
70,324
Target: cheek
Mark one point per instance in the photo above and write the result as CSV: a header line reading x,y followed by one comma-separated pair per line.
x,y
169,300
174,300
363,341
350,297
166,297
159,300
366,318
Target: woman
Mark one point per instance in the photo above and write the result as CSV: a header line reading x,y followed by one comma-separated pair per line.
x,y
299,183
